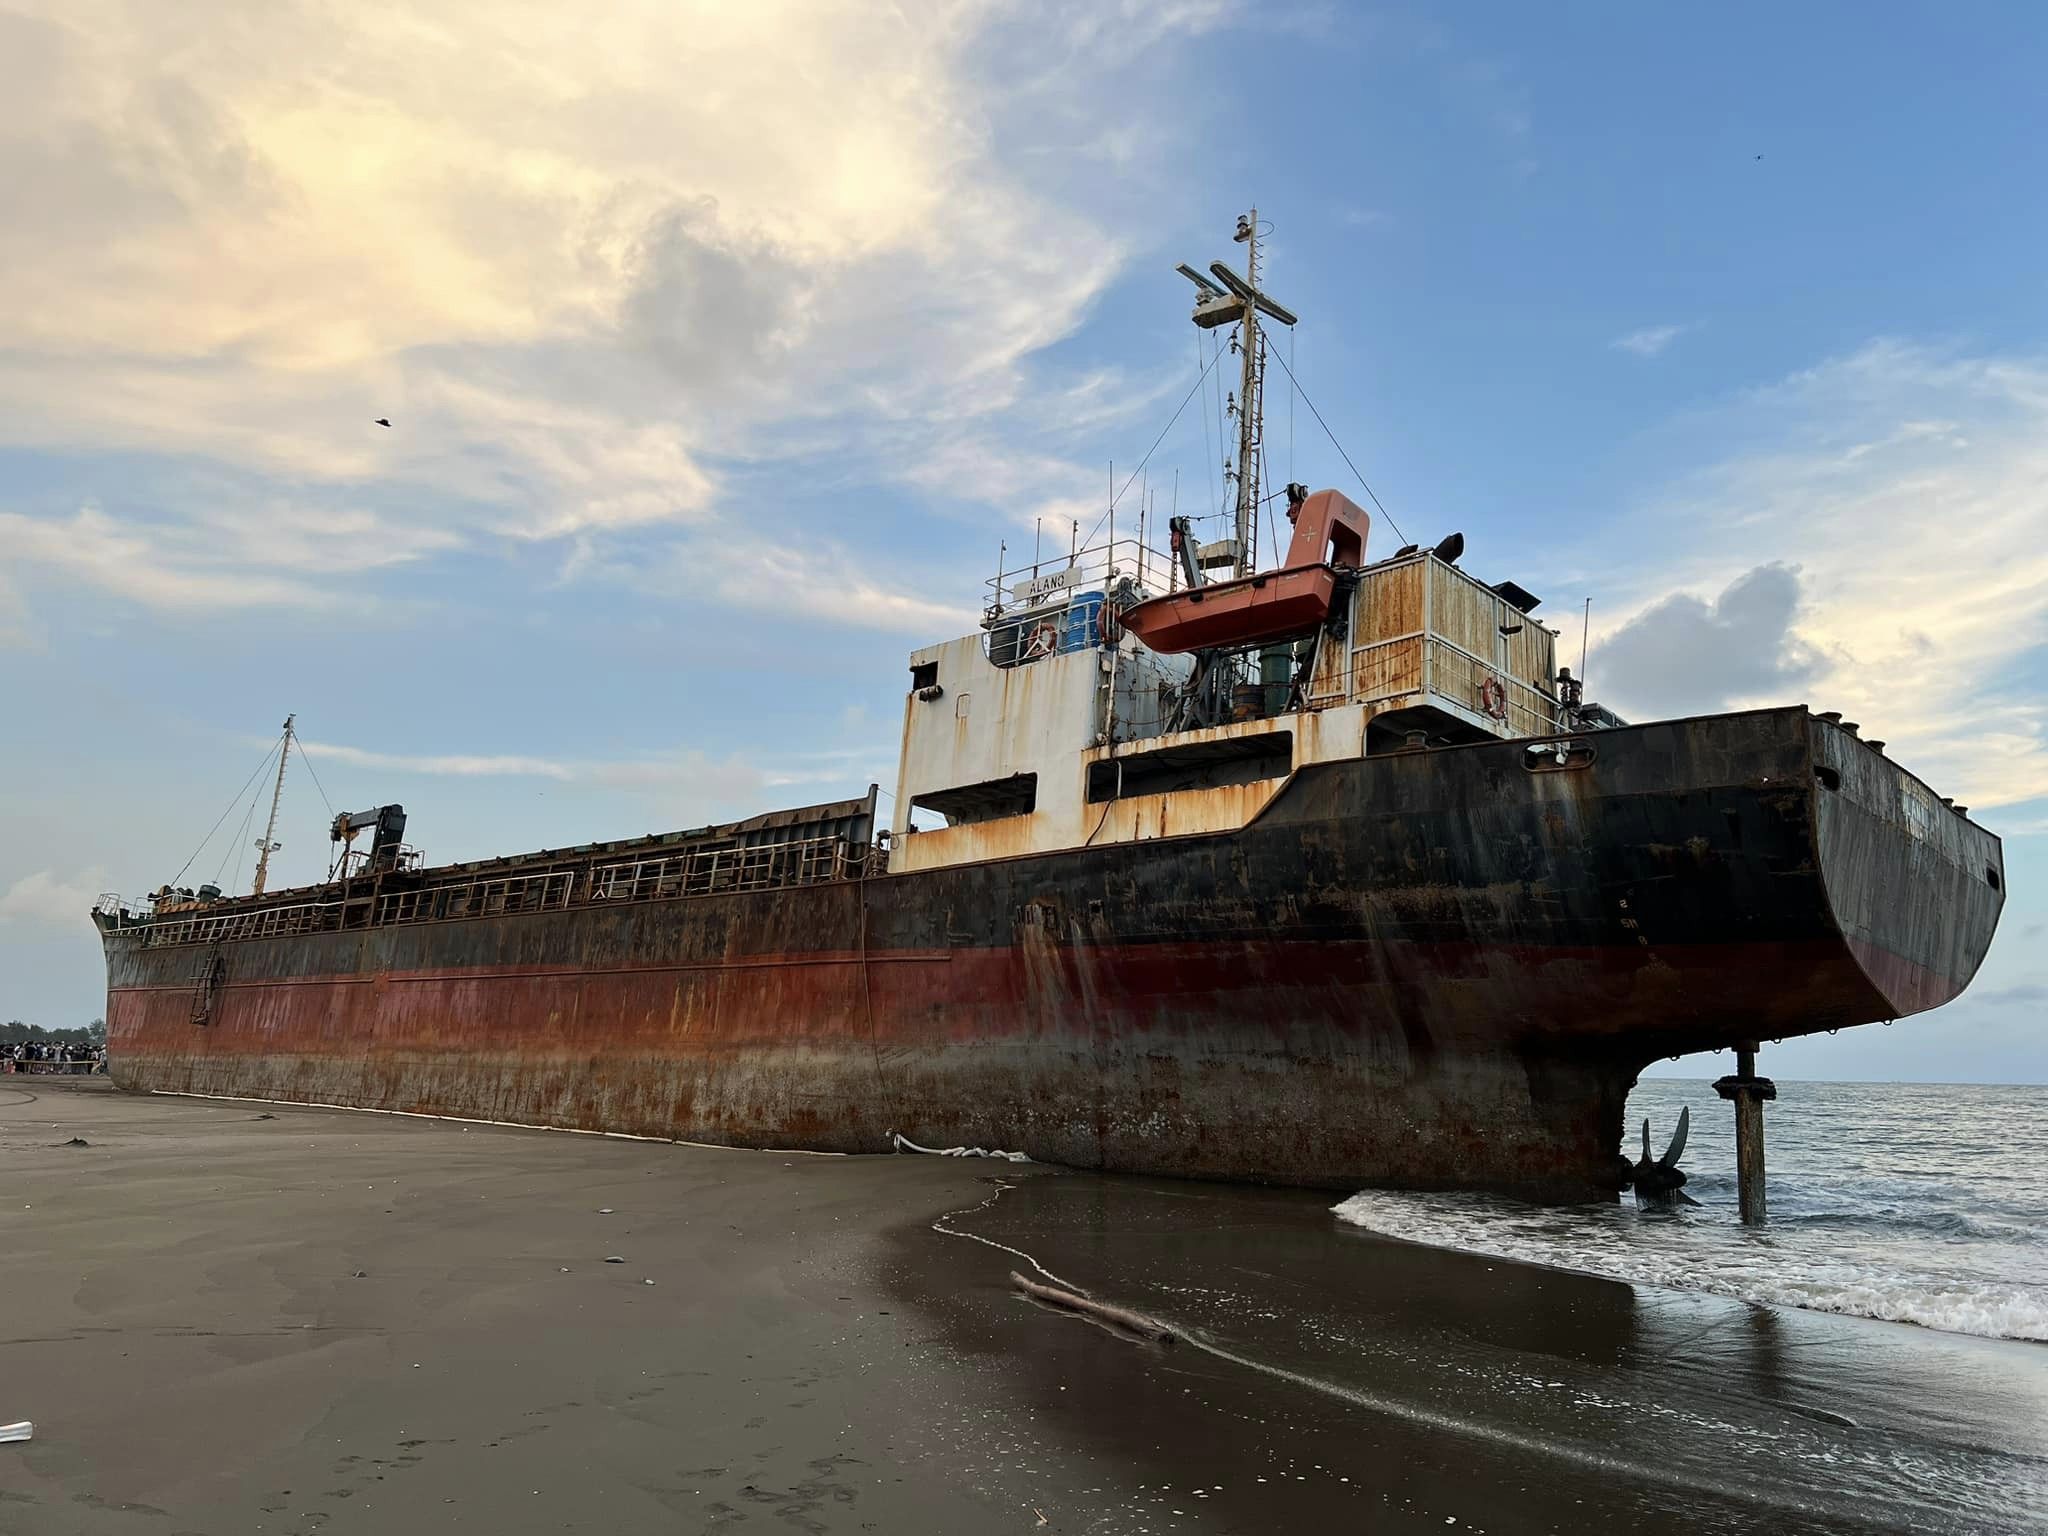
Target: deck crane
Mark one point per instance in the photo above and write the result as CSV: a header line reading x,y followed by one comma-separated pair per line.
x,y
386,822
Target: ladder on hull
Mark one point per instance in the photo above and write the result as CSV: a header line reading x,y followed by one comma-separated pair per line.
x,y
206,984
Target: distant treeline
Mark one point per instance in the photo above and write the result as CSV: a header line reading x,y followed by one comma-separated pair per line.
x,y
14,1032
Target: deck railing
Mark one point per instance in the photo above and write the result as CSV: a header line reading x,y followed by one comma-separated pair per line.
x,y
599,880
1031,583
1428,667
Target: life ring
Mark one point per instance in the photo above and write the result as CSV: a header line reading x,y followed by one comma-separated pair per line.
x,y
1109,624
1045,639
1493,697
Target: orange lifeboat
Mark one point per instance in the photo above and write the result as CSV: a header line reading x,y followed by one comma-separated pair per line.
x,y
1329,531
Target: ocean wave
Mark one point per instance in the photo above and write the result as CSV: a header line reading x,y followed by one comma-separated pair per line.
x,y
1932,1208
1820,1264
1903,1219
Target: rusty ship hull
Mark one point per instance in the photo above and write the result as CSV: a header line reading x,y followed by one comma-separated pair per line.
x,y
1437,969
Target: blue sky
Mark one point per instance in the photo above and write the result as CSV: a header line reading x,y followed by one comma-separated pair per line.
x,y
722,348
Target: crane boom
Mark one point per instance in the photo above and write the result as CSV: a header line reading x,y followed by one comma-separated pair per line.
x,y
387,822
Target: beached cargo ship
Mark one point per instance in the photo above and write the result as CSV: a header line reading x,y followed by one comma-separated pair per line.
x,y
1325,874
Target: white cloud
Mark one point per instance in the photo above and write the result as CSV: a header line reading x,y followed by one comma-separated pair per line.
x,y
617,772
327,185
683,786
2035,826
1649,341
17,629
1911,488
145,565
818,579
224,554
46,898
572,258
1694,655
776,578
281,535
456,765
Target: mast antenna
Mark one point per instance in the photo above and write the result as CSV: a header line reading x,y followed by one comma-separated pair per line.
x,y
1234,300
270,845
1250,412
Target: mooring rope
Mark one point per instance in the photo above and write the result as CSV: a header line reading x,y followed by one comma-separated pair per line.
x,y
905,1144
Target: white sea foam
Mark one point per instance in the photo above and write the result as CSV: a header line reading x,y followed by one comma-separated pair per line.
x,y
1798,1267
1914,1203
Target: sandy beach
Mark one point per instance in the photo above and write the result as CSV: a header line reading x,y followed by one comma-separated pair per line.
x,y
236,1317
326,1320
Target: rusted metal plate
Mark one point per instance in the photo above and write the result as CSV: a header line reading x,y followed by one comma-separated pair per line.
x,y
1437,969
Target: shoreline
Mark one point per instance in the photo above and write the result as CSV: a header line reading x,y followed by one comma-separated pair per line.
x,y
1841,1314
1331,1378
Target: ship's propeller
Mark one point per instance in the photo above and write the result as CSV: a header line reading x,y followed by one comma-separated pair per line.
x,y
1661,1181
1671,1153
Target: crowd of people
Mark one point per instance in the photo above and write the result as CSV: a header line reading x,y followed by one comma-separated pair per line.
x,y
36,1056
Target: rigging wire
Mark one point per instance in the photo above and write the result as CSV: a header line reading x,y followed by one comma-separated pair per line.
x,y
1292,391
248,818
1272,536
224,815
306,758
1172,565
1222,419
1305,400
241,845
1119,496
1208,453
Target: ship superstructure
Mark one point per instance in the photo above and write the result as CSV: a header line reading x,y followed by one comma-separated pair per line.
x,y
1124,707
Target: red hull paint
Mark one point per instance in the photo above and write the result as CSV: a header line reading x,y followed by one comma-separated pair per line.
x,y
1182,1072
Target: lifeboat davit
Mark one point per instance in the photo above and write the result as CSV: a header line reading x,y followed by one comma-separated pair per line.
x,y
1329,532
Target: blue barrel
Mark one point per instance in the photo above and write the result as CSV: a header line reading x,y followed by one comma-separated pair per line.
x,y
1081,628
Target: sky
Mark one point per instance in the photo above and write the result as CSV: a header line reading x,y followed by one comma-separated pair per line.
x,y
723,346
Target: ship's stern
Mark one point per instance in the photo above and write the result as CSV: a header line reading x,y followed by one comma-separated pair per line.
x,y
1915,886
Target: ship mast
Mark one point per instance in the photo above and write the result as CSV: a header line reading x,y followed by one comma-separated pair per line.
x,y
1250,407
1229,299
270,845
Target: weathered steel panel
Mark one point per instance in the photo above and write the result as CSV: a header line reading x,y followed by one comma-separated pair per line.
x,y
1440,969
1915,888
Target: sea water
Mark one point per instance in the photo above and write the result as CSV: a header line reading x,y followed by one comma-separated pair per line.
x,y
1909,1202
1328,1377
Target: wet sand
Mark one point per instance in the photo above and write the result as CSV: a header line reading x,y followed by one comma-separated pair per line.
x,y
1330,1379
327,1321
